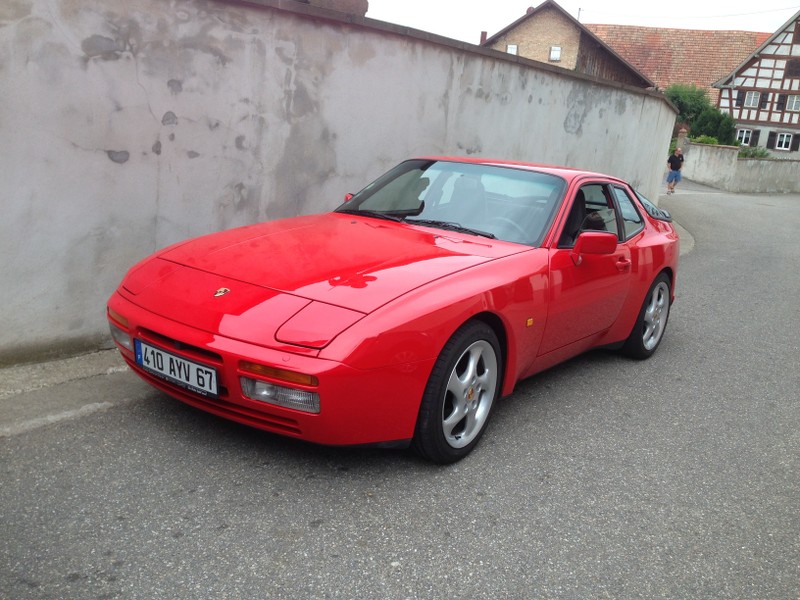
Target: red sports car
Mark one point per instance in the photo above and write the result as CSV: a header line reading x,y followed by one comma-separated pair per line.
x,y
402,316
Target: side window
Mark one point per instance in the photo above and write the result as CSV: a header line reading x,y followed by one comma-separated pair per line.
x,y
593,210
600,214
631,219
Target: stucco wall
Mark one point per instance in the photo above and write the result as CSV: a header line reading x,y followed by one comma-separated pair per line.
x,y
720,167
767,176
127,125
709,165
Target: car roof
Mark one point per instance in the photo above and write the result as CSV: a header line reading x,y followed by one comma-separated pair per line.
x,y
567,173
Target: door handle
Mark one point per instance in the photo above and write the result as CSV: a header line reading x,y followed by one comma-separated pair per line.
x,y
623,264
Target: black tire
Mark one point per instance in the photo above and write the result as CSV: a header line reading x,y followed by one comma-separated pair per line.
x,y
461,392
652,321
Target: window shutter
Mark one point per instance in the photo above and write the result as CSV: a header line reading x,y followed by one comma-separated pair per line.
x,y
764,101
781,102
754,137
739,98
771,140
795,142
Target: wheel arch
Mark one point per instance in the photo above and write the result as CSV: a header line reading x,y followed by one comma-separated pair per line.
x,y
670,273
496,324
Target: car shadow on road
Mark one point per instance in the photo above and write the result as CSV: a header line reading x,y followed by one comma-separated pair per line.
x,y
200,432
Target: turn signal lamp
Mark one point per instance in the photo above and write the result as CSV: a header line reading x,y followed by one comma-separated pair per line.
x,y
277,393
119,335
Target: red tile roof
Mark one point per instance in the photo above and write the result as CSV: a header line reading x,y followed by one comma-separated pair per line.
x,y
687,56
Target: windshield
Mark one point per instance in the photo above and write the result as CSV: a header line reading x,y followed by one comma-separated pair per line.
x,y
502,202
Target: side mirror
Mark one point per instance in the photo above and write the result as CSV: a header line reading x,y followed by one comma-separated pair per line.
x,y
348,196
593,242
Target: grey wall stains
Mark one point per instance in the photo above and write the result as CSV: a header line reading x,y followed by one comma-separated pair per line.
x,y
118,156
578,105
175,86
13,10
103,47
128,125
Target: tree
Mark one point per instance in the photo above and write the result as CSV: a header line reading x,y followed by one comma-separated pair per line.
x,y
713,123
699,115
689,99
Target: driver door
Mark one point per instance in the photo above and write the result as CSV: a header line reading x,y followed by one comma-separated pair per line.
x,y
586,298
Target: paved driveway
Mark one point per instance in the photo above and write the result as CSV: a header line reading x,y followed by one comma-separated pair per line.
x,y
677,477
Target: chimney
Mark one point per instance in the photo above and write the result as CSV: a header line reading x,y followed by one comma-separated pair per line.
x,y
530,10
483,38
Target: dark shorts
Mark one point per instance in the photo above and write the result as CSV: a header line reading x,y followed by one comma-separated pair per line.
x,y
674,176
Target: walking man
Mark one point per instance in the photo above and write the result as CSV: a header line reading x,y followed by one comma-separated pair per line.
x,y
674,162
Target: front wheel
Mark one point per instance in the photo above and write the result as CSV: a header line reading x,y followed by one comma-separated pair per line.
x,y
652,321
461,391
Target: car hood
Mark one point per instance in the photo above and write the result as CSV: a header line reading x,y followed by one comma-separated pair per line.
x,y
352,262
335,268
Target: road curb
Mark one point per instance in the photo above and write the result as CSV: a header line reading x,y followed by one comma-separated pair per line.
x,y
22,379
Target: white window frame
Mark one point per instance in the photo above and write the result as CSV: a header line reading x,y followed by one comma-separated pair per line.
x,y
555,53
744,136
793,103
783,141
752,99
512,49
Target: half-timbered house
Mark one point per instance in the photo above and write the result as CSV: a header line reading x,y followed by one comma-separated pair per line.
x,y
762,94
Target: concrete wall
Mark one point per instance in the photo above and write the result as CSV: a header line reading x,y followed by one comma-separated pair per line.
x,y
767,175
720,167
709,165
126,125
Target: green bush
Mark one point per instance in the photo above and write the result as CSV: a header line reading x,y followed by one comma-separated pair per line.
x,y
705,139
753,152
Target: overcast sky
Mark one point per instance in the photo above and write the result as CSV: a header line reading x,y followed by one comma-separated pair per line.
x,y
464,20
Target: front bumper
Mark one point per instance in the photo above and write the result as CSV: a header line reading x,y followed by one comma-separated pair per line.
x,y
357,407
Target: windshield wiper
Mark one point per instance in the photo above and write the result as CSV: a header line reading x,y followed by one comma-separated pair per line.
x,y
370,213
450,226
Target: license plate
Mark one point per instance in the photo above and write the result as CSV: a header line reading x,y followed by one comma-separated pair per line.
x,y
194,376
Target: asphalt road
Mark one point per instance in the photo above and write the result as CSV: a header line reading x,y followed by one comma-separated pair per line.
x,y
677,477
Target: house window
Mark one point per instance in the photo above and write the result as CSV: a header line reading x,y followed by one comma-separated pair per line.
x,y
512,49
744,136
793,103
784,141
751,99
555,53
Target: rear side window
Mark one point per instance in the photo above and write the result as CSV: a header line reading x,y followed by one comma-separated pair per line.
x,y
632,222
653,210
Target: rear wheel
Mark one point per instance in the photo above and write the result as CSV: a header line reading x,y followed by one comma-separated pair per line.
x,y
461,391
652,321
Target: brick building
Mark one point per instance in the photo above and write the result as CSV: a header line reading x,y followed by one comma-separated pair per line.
x,y
549,34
